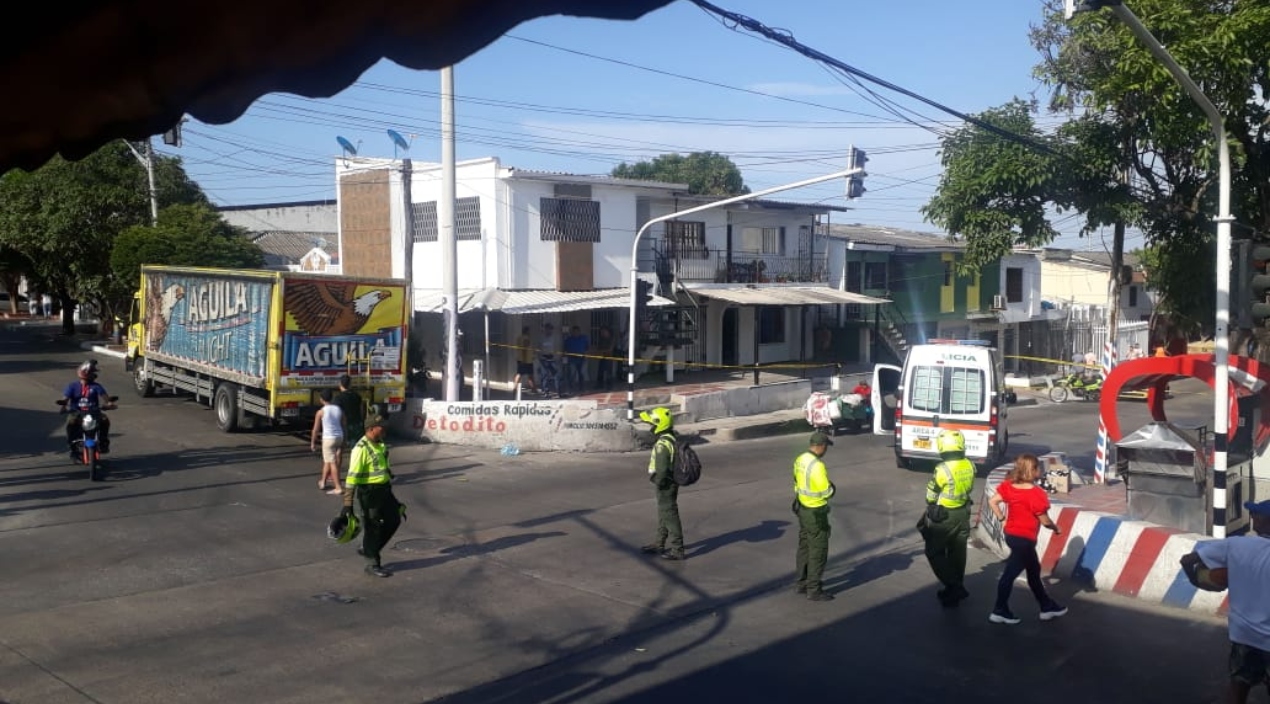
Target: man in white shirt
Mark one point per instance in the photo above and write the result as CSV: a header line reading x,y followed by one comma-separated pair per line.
x,y
1247,561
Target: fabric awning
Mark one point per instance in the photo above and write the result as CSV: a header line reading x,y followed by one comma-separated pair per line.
x,y
781,295
522,302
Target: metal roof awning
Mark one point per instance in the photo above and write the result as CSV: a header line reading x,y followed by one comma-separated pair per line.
x,y
521,302
781,295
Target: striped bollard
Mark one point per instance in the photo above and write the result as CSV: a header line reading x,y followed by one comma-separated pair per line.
x,y
1103,451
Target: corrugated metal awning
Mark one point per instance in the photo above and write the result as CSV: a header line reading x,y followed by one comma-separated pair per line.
x,y
526,302
781,295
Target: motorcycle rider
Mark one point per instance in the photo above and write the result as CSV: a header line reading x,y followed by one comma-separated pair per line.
x,y
86,387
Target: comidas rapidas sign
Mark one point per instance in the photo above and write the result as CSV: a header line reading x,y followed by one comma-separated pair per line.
x,y
532,425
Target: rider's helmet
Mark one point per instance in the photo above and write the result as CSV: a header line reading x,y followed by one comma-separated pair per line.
x,y
659,418
88,370
951,442
343,528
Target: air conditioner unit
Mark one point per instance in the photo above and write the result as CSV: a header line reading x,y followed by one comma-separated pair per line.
x,y
998,302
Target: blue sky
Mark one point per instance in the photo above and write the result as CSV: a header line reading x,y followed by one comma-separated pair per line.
x,y
533,101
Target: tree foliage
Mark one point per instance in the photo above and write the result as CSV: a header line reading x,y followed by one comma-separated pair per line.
x,y
1123,109
62,219
706,173
186,235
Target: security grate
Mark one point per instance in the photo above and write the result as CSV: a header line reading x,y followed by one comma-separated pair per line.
x,y
569,220
467,220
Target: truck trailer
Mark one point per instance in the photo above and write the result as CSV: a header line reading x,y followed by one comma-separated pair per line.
x,y
260,346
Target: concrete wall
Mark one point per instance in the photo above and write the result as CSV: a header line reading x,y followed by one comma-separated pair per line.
x,y
320,216
1108,553
533,426
743,401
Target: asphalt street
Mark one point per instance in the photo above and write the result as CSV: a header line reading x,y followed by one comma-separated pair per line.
x,y
200,572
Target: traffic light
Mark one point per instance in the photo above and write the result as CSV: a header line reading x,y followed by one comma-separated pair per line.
x,y
1259,284
643,296
856,159
172,137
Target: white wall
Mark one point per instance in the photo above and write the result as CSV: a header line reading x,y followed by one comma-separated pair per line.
x,y
1030,307
478,261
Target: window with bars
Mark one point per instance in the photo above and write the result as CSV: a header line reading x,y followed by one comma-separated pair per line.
x,y
569,220
875,276
853,277
686,240
467,220
1014,285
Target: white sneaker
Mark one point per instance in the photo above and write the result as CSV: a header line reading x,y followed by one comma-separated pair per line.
x,y
1006,618
1053,612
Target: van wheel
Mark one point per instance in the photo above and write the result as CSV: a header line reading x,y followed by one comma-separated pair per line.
x,y
902,462
225,404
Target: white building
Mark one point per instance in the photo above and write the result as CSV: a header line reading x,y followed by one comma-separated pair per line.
x,y
540,247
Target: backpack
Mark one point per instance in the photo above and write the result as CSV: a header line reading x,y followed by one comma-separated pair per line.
x,y
686,467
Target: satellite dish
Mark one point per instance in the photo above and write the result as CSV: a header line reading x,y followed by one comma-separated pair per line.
x,y
347,146
398,142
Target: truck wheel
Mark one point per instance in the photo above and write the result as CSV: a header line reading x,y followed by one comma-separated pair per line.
x,y
225,403
144,387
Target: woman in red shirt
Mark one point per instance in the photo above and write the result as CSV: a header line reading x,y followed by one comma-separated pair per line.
x,y
1026,510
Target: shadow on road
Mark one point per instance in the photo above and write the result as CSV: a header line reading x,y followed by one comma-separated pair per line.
x,y
897,651
458,552
761,533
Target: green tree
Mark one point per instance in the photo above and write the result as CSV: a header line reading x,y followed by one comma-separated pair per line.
x,y
63,219
186,235
1113,93
706,173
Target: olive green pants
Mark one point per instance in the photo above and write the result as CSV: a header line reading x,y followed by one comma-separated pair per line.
x,y
946,547
670,532
813,546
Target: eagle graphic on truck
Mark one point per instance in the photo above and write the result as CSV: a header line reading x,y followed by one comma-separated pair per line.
x,y
261,345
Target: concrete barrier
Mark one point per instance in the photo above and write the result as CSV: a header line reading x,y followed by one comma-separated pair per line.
x,y
533,426
1109,553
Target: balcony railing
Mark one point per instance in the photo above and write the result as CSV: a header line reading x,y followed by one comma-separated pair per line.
x,y
713,266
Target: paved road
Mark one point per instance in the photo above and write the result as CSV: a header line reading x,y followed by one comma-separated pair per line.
x,y
200,573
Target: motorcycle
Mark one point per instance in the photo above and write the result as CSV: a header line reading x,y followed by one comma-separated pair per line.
x,y
1078,385
87,445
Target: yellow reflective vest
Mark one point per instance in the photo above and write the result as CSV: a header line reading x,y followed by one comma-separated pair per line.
x,y
952,483
368,464
811,481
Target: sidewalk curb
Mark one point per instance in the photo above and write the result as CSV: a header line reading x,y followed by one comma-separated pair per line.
x,y
100,348
1109,553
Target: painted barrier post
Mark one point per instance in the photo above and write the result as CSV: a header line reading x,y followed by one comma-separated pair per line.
x,y
1103,452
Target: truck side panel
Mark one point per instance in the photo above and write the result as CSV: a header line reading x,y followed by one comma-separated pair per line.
x,y
334,326
214,324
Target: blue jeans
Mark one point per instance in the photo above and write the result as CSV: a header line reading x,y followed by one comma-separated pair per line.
x,y
1023,558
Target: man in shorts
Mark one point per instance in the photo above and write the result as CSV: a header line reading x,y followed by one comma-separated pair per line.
x,y
525,360
1247,557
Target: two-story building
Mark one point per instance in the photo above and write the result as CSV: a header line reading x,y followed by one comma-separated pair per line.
x,y
1084,279
540,247
930,295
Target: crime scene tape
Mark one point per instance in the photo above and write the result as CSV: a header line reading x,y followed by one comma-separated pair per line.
x,y
703,365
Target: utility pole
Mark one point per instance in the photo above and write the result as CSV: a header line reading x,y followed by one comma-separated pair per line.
x,y
147,160
408,269
449,240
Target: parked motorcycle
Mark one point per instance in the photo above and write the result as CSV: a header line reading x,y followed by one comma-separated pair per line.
x,y
1082,387
87,445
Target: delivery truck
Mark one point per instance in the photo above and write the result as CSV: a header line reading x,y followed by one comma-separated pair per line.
x,y
260,346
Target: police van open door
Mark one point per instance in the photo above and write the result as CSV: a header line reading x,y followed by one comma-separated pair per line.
x,y
884,396
951,384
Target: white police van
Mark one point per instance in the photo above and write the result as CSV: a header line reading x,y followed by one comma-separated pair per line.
x,y
957,384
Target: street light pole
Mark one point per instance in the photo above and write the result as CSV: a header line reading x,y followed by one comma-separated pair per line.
x,y
1221,335
631,331
453,377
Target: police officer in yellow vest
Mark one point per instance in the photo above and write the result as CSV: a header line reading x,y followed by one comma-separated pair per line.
x,y
812,490
946,524
369,485
660,466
